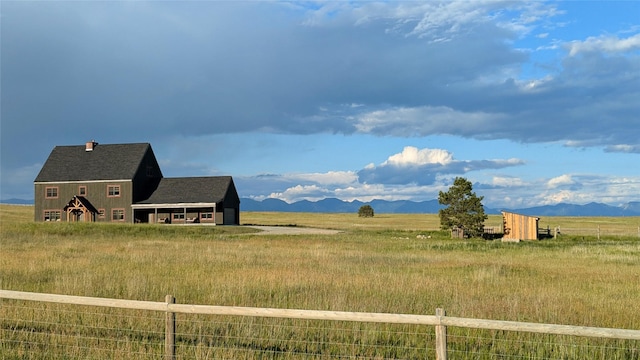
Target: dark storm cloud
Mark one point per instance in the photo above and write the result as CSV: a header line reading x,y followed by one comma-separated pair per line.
x,y
119,71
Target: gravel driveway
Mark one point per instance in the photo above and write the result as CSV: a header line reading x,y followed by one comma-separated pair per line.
x,y
292,230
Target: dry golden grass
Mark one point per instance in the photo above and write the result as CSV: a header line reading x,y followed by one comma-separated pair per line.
x,y
628,225
10,214
340,221
375,265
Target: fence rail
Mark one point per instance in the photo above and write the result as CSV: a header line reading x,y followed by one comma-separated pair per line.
x,y
493,232
597,231
440,321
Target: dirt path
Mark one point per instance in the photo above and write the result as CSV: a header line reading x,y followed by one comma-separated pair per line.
x,y
293,230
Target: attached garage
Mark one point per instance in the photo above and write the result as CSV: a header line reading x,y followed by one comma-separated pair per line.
x,y
206,200
230,216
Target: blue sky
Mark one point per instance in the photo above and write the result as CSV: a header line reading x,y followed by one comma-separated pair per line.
x,y
536,102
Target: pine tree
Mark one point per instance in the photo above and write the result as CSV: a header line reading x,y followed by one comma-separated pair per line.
x,y
464,209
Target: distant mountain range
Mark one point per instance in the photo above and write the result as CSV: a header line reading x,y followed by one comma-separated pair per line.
x,y
332,205
17,202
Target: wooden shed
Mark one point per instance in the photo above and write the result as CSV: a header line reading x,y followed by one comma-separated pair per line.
x,y
457,233
518,227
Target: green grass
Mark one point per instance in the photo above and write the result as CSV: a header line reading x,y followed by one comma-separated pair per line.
x,y
376,264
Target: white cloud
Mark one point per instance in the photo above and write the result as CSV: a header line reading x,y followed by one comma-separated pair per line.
x,y
369,192
624,148
499,192
436,21
581,189
563,196
411,155
561,180
415,166
328,178
423,121
356,191
300,192
507,181
607,44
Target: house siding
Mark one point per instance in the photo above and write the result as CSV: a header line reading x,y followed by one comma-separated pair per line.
x,y
96,194
142,189
231,202
146,178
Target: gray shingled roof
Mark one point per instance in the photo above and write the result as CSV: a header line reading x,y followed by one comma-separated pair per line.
x,y
105,162
210,189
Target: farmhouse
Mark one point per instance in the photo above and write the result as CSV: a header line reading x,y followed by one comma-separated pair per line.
x,y
518,227
124,183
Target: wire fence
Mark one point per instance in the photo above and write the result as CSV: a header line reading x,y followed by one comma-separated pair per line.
x,y
73,330
492,344
597,231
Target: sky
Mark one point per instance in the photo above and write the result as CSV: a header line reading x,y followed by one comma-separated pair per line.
x,y
536,103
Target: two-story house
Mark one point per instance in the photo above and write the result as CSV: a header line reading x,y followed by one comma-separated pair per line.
x,y
124,183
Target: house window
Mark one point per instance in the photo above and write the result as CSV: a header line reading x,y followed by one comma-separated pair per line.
x,y
52,215
82,190
101,214
207,216
51,193
113,191
178,216
117,214
150,171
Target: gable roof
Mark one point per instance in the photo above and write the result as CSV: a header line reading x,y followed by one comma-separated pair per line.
x,y
104,162
83,201
209,189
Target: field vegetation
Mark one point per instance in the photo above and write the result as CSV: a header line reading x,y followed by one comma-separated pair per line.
x,y
387,263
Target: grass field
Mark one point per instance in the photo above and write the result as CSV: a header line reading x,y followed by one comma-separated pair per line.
x,y
374,265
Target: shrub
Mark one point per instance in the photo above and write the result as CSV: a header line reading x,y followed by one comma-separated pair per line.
x,y
365,211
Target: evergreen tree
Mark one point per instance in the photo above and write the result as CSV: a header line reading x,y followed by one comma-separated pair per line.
x,y
365,211
464,209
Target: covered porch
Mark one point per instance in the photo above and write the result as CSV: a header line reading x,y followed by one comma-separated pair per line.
x,y
80,209
177,213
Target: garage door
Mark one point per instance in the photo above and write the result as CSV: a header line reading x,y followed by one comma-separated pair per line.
x,y
229,217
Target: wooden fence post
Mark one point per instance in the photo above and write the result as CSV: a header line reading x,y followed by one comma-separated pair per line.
x,y
170,331
441,337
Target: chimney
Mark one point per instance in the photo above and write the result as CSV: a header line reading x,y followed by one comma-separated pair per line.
x,y
90,145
